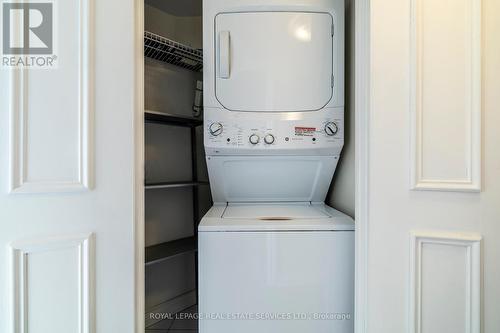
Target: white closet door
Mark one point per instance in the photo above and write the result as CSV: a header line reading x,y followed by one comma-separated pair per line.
x,y
67,171
434,167
274,61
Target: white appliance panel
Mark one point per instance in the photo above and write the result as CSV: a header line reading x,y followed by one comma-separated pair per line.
x,y
298,275
297,133
274,61
270,178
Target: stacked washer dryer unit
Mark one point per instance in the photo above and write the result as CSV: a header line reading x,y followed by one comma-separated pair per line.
x,y
272,256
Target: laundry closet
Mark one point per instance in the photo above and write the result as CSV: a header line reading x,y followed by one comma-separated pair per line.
x,y
177,194
177,189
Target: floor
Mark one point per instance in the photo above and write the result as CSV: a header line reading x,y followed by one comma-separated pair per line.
x,y
183,323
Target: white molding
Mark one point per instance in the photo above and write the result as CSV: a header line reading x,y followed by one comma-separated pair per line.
x,y
19,96
362,158
19,253
472,244
139,210
473,180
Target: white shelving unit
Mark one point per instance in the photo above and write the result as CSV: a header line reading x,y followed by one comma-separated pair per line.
x,y
163,49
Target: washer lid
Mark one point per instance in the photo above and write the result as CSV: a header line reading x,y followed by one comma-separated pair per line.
x,y
273,212
243,217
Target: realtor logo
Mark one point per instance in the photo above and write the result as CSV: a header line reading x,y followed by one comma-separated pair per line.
x,y
28,34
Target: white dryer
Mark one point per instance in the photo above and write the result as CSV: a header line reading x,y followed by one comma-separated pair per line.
x,y
272,256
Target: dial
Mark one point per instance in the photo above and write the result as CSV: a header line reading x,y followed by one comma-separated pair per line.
x,y
331,128
254,139
269,139
215,129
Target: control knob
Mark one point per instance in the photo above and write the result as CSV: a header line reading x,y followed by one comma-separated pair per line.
x,y
254,139
269,139
331,128
215,129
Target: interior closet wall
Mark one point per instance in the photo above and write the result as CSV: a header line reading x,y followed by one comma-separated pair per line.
x,y
169,213
181,28
342,190
169,87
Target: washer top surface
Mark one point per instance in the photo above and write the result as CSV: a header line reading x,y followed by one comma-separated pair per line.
x,y
275,217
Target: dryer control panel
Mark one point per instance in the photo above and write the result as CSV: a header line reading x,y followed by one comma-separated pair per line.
x,y
246,133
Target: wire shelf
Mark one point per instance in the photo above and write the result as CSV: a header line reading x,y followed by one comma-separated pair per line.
x,y
163,49
163,185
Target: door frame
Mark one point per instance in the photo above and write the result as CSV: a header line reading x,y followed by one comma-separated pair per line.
x,y
362,146
139,210
362,107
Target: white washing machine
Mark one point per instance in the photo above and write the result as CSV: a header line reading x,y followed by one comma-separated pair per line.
x,y
272,256
272,268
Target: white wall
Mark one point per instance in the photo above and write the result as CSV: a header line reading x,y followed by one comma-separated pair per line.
x,y
341,194
395,210
163,82
183,29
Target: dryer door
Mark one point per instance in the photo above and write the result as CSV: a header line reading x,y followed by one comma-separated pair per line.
x,y
274,61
